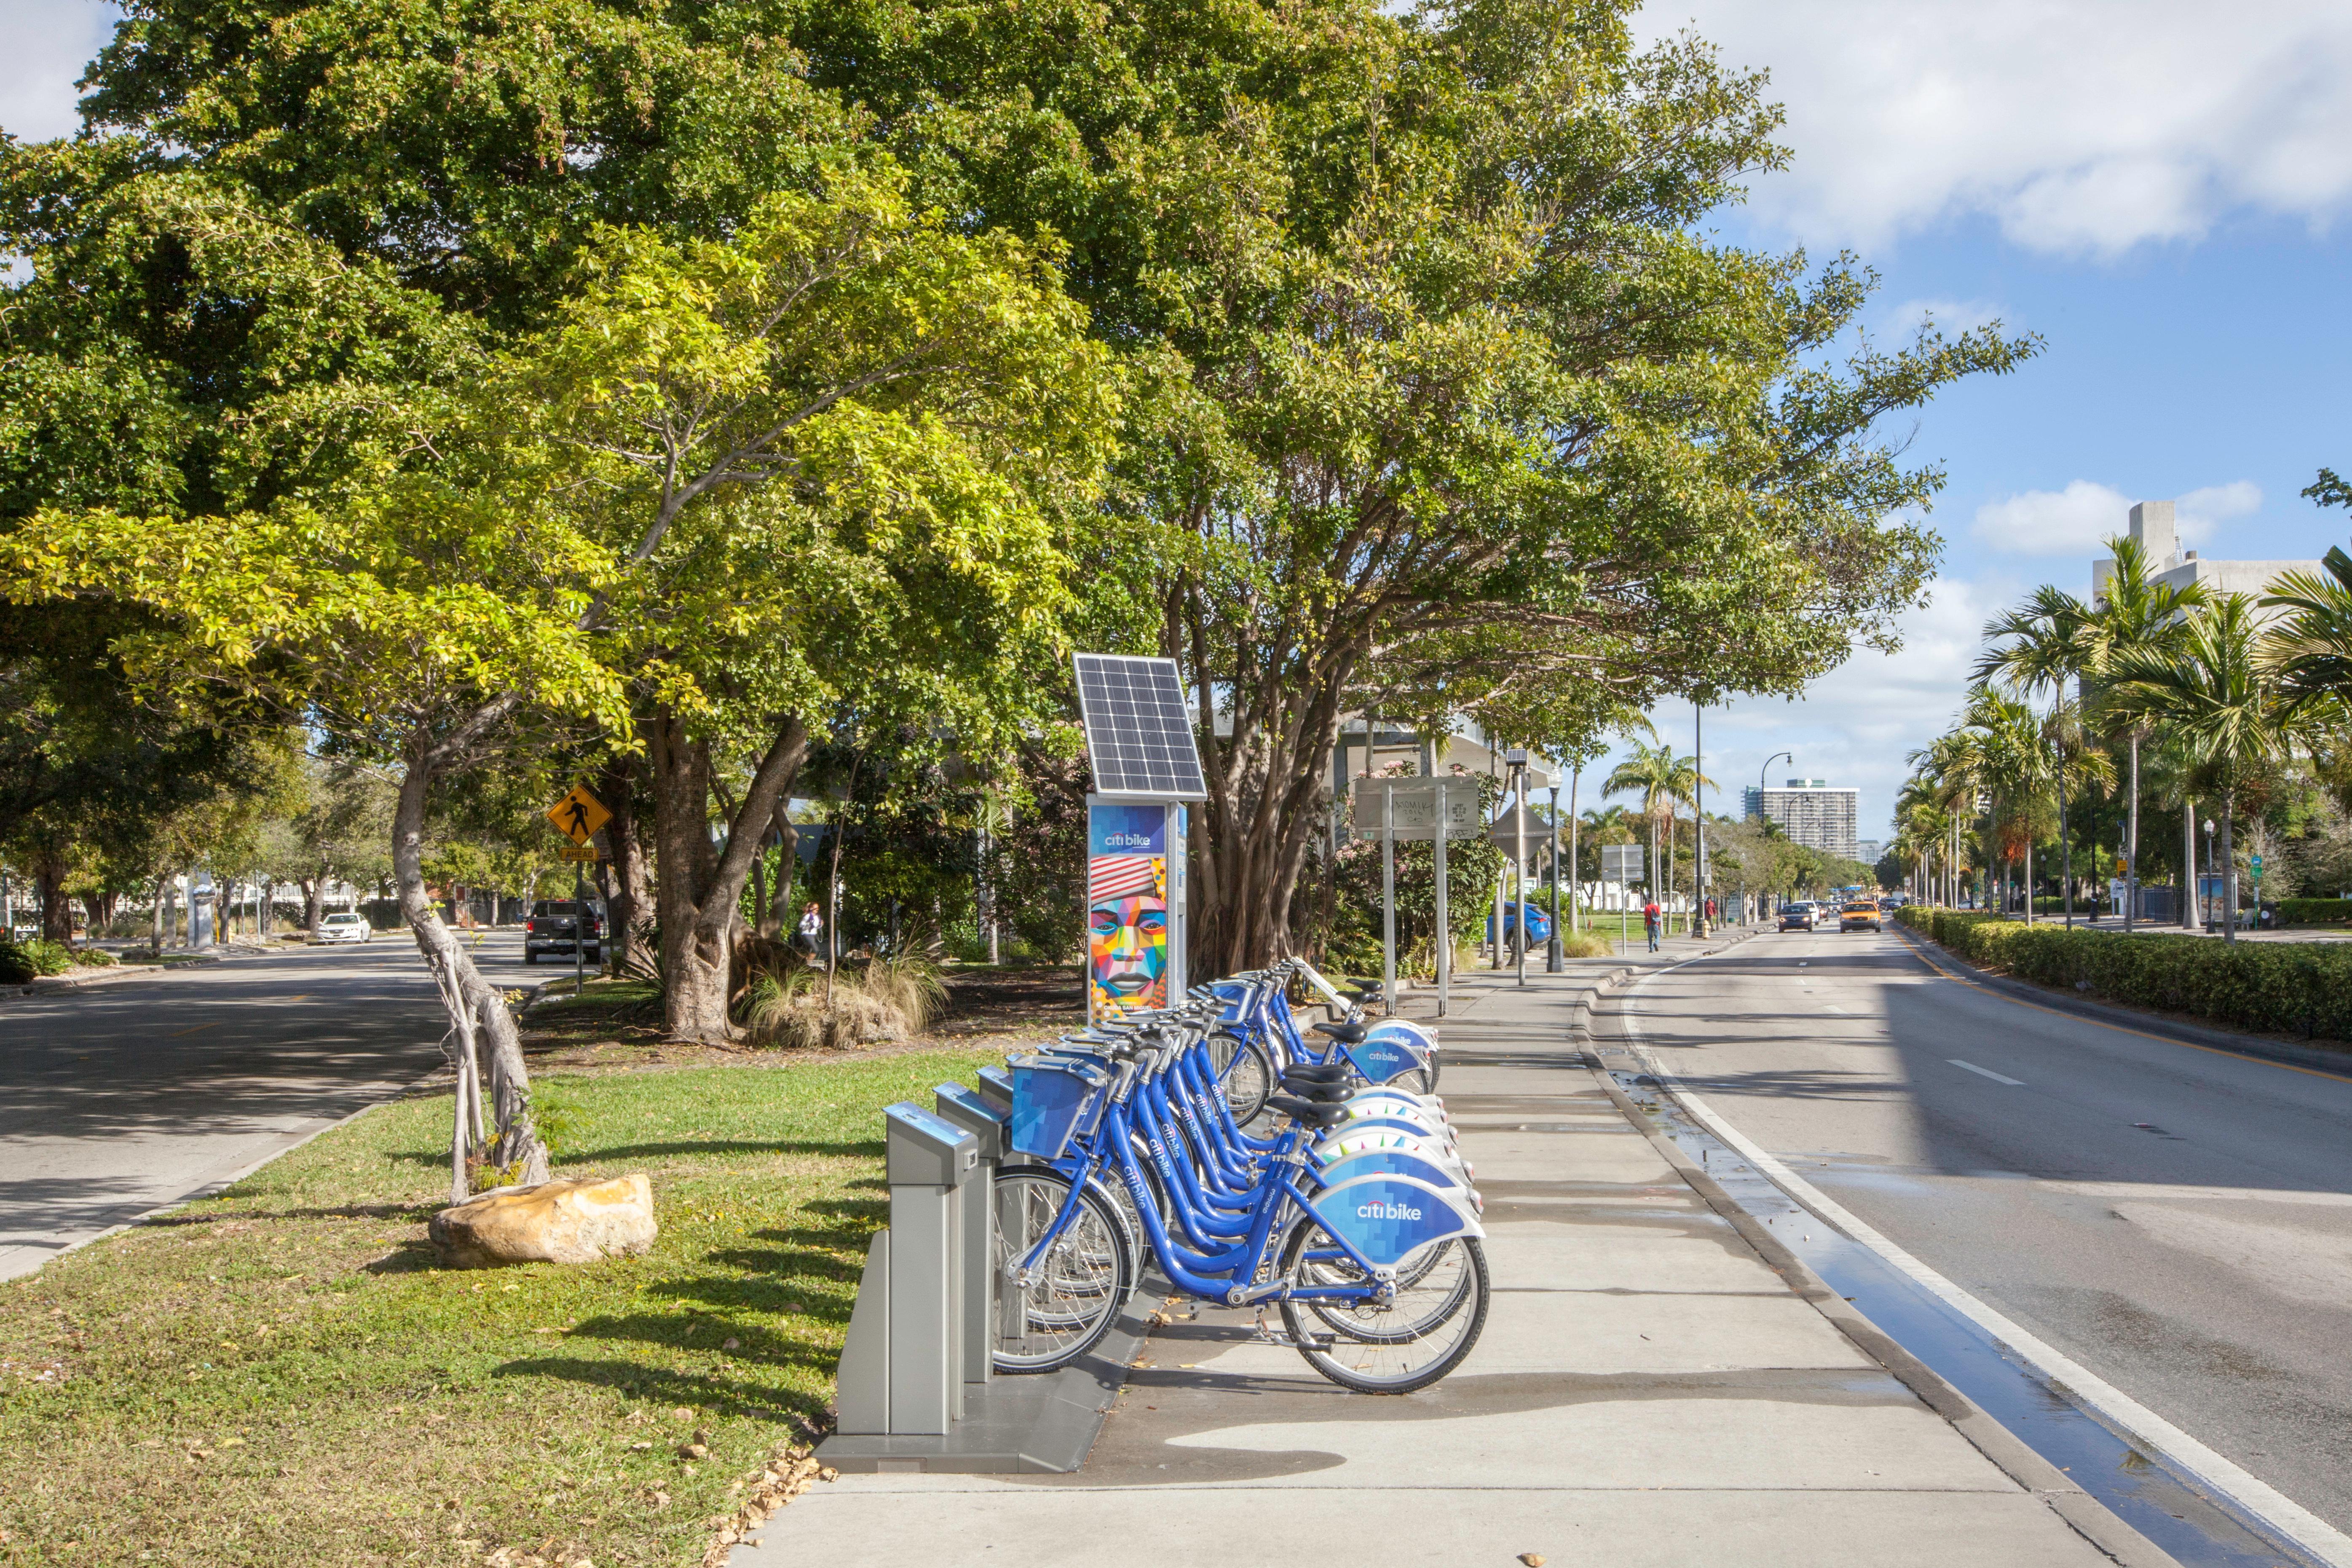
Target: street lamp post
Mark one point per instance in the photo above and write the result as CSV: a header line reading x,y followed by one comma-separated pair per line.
x,y
1553,962
1517,757
2199,892
1761,815
1699,925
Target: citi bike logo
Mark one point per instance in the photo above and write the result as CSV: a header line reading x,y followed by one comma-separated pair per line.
x,y
1127,840
1376,1209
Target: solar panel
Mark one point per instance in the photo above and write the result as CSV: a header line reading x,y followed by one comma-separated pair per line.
x,y
1139,731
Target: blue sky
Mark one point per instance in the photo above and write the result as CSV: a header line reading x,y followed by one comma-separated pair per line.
x,y
2157,187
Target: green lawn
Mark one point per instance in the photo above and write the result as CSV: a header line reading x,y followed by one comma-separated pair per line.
x,y
280,1374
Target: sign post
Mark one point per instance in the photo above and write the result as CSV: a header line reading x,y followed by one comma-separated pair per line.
x,y
578,816
1443,935
1388,897
1412,813
1622,864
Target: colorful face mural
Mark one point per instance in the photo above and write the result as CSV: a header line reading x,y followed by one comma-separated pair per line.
x,y
1126,910
1127,943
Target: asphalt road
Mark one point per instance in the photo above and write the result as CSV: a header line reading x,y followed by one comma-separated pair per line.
x,y
139,1092
2179,1220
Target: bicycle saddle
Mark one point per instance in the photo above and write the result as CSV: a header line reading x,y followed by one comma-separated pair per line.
x,y
1315,1072
1350,1032
1316,1114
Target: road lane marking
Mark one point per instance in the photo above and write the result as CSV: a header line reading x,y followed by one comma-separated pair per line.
x,y
1997,1078
1917,946
2133,1421
192,1029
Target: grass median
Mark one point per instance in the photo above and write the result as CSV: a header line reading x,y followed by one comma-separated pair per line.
x,y
282,1375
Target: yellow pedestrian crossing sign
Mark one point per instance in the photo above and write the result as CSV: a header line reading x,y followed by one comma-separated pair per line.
x,y
579,813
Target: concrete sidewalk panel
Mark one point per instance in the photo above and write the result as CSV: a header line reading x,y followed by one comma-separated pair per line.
x,y
1438,1526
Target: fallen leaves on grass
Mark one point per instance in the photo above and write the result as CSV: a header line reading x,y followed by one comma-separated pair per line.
x,y
789,1474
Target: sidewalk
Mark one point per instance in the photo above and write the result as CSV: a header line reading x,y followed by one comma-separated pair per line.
x,y
1648,1391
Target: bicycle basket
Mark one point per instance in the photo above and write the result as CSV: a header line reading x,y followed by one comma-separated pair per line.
x,y
1052,1099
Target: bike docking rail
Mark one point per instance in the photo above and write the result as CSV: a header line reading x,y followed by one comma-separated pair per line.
x,y
1649,1391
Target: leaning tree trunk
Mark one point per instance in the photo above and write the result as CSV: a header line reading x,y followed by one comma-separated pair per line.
x,y
481,1027
630,902
698,888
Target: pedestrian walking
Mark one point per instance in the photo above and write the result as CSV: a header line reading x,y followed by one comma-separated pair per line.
x,y
1650,914
809,934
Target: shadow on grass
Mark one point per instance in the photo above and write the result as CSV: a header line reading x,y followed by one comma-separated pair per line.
x,y
344,1211
866,1149
724,1396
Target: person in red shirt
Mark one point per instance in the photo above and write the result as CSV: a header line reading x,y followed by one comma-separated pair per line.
x,y
1650,913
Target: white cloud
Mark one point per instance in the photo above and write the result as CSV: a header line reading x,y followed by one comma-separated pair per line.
x,y
47,44
2076,520
2079,125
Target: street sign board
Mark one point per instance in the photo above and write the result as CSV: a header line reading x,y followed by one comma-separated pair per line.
x,y
1504,833
2257,865
579,815
1621,863
1414,802
585,853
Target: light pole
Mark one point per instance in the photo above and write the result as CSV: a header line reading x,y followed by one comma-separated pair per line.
x,y
1552,957
1699,925
1517,757
1761,815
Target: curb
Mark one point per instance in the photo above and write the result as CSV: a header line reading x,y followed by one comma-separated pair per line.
x,y
2089,1517
2211,1037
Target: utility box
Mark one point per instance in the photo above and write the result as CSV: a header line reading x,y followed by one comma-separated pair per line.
x,y
996,1087
968,1110
902,1365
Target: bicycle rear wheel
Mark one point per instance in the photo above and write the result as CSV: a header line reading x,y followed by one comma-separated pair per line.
x,y
1245,1072
1080,1285
1397,1346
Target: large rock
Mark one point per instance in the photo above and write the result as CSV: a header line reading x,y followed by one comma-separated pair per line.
x,y
576,1220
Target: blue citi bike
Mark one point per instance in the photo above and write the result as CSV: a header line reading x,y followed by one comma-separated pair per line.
x,y
1351,1213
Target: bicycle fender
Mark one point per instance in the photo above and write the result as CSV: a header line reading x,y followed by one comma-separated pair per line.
x,y
1391,1163
1390,1218
1379,1059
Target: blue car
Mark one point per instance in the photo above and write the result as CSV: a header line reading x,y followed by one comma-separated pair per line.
x,y
1538,920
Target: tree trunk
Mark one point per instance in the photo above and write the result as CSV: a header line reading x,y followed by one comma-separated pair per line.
x,y
314,900
160,915
477,1012
2188,862
2228,864
2131,853
56,912
629,903
697,887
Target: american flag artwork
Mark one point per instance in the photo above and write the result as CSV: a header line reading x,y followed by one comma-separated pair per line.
x,y
1125,875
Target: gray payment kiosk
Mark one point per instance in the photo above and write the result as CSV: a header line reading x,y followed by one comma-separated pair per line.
x,y
902,1364
960,1105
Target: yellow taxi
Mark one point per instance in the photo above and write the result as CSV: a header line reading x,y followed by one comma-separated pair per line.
x,y
1861,912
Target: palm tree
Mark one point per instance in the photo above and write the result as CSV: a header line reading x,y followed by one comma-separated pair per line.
x,y
2038,647
2220,702
1661,779
1650,774
2309,649
2133,611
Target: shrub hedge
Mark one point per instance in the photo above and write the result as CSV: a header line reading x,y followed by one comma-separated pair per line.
x,y
21,961
2277,987
2315,911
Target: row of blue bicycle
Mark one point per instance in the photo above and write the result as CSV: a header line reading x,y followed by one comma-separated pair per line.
x,y
1250,1167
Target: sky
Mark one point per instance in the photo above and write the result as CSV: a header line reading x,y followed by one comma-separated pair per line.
x,y
2158,188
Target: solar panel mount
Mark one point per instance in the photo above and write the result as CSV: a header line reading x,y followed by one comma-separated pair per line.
x,y
1139,729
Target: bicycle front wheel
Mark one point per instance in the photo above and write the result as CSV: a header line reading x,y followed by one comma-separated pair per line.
x,y
1393,1347
1076,1289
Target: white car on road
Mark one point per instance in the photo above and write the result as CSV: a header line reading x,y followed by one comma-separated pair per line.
x,y
347,925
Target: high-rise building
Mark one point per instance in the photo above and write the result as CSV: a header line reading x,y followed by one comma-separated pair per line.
x,y
1812,812
1869,850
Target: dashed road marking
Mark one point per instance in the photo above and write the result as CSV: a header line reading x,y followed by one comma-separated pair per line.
x,y
1988,1072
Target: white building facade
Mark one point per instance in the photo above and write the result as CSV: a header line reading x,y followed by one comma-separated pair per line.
x,y
1812,812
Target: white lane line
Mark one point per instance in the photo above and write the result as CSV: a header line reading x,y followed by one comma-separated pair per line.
x,y
1986,1072
2134,1420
